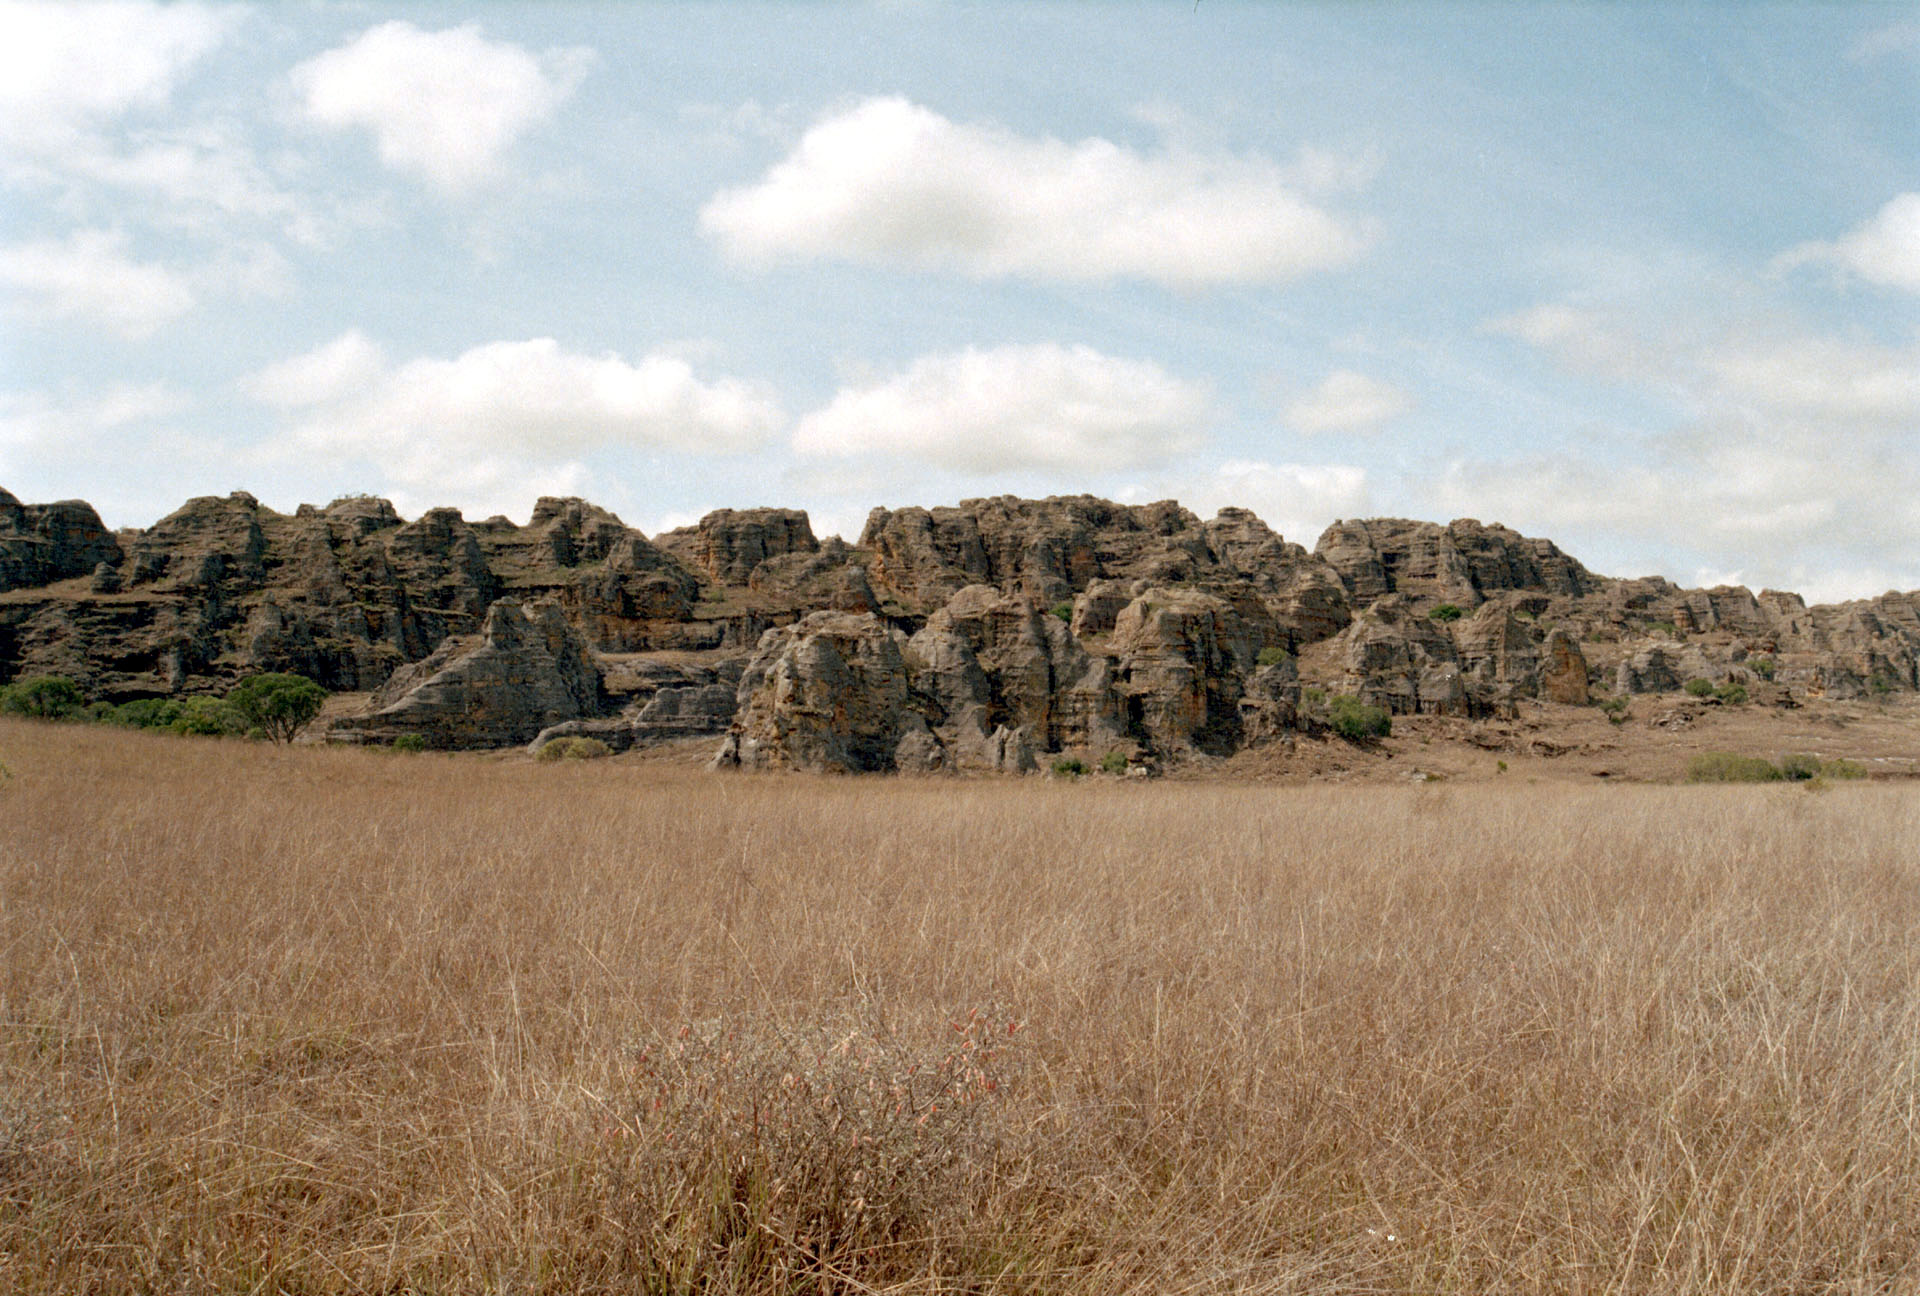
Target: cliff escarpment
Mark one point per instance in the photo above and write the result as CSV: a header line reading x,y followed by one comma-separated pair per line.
x,y
980,636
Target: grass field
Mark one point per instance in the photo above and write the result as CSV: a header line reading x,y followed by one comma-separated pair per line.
x,y
308,1020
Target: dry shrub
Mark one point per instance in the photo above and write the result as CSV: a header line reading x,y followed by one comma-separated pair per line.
x,y
311,1020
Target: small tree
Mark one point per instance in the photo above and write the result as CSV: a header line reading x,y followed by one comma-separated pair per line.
x,y
1446,612
279,705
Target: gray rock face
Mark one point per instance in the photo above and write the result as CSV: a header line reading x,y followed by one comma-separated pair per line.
x,y
1180,657
43,543
728,544
982,636
526,670
1459,563
829,692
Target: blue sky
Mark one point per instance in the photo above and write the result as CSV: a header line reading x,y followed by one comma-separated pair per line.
x,y
1641,278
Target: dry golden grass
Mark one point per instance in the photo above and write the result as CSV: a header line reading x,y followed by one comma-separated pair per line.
x,y
338,1021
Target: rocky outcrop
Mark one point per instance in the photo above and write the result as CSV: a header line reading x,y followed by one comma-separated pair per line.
x,y
727,545
526,670
985,635
44,543
1460,563
829,692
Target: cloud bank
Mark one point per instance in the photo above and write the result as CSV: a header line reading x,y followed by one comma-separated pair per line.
x,y
1043,406
890,182
505,421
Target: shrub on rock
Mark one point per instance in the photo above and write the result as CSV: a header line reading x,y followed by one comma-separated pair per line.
x,y
1357,721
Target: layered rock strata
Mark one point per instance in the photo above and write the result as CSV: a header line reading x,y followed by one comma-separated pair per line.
x,y
981,636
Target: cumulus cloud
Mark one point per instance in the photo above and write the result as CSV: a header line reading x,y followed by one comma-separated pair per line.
x,y
67,69
891,182
1885,250
503,422
443,105
1297,500
1043,406
1348,402
351,364
90,277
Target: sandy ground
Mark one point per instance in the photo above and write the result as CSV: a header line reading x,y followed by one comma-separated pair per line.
x,y
1547,743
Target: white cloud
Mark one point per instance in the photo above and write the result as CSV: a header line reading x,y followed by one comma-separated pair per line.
x,y
1349,402
1886,250
504,422
66,69
1789,452
1828,379
89,277
1585,341
1043,406
202,178
351,363
36,421
445,105
891,182
1297,500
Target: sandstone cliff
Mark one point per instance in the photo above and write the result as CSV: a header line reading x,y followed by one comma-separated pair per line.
x,y
980,636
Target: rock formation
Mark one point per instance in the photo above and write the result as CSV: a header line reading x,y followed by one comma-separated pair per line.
x,y
982,636
524,671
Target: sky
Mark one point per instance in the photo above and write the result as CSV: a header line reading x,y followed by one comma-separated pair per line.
x,y
1640,278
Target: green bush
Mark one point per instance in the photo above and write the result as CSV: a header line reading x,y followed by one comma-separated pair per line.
x,y
1356,721
1274,657
409,743
44,697
1726,767
1698,687
1732,694
1446,612
1315,695
1761,666
146,713
1842,769
573,749
1062,610
1798,767
207,717
1113,763
1069,767
282,705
